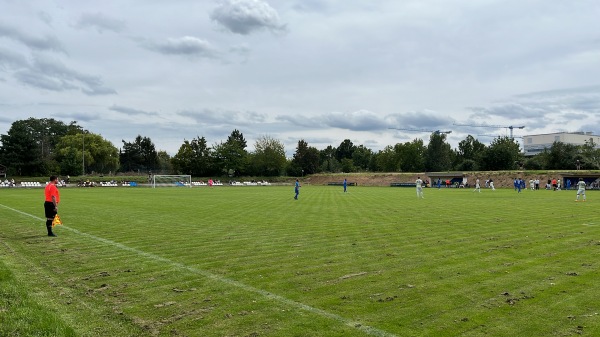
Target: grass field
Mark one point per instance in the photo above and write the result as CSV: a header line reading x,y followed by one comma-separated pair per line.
x,y
251,261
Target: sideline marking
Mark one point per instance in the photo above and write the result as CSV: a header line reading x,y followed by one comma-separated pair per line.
x,y
353,324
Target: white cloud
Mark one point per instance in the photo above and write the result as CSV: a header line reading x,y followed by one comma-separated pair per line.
x,y
131,111
425,119
361,120
100,22
345,69
246,16
51,74
10,59
45,17
223,117
47,42
186,46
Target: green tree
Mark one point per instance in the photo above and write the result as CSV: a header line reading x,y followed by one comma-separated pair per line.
x,y
139,155
561,156
438,156
202,160
373,162
537,162
165,165
96,155
469,154
28,146
412,156
387,160
225,162
105,156
503,154
268,158
328,162
467,165
18,152
361,157
590,155
237,138
345,150
231,156
305,160
70,159
182,161
347,165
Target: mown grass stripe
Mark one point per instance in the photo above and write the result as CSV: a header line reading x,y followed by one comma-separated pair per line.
x,y
353,324
456,249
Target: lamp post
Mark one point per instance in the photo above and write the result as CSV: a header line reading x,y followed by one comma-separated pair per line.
x,y
83,152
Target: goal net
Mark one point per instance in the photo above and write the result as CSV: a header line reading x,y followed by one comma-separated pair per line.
x,y
171,180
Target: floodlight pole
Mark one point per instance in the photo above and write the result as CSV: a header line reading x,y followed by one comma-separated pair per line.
x,y
83,154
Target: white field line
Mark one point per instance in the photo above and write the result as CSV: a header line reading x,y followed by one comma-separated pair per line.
x,y
353,324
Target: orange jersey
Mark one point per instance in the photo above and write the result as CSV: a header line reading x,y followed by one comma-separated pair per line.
x,y
51,191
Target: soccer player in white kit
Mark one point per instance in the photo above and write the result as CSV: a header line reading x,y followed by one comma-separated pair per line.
x,y
419,184
477,186
580,189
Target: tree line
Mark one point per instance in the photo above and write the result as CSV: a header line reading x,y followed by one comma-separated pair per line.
x,y
40,147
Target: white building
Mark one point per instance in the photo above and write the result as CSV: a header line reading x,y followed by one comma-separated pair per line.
x,y
534,144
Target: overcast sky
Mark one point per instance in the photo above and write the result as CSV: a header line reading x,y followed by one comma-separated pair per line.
x,y
318,70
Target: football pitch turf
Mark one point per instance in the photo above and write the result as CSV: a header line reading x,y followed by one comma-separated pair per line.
x,y
252,261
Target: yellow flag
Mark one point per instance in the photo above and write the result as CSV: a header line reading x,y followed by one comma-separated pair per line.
x,y
56,221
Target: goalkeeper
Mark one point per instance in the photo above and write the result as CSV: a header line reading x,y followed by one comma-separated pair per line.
x,y
51,203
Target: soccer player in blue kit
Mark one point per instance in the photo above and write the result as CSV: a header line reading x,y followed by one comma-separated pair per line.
x,y
297,189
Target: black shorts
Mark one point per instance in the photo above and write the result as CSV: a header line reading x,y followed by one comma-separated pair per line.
x,y
49,209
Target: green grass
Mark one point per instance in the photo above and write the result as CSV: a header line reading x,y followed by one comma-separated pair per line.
x,y
22,316
251,261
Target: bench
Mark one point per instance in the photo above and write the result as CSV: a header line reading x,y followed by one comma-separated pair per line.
x,y
337,183
403,184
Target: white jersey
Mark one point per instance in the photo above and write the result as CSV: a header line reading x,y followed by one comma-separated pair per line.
x,y
419,183
581,189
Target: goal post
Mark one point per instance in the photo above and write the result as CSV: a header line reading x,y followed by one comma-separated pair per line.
x,y
171,180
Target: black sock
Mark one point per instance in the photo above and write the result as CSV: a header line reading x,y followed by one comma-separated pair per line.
x,y
49,226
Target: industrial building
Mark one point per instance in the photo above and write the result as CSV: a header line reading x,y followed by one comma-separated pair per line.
x,y
534,144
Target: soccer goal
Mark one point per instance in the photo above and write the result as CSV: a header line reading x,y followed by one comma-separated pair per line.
x,y
171,180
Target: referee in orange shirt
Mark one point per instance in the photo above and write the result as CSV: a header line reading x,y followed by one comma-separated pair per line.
x,y
51,203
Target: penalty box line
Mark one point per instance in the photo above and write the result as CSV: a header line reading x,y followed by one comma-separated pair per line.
x,y
353,324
